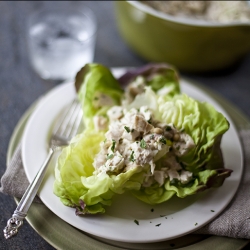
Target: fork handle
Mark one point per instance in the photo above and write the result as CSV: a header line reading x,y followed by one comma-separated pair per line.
x,y
23,206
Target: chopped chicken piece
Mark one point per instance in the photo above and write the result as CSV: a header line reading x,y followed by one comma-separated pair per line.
x,y
130,134
185,176
144,110
141,125
172,163
183,144
101,100
173,174
115,113
114,163
160,176
142,155
137,86
115,131
100,122
100,160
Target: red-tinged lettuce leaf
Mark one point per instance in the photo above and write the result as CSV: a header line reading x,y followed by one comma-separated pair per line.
x,y
157,76
204,180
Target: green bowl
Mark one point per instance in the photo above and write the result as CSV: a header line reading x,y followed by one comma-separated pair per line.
x,y
190,45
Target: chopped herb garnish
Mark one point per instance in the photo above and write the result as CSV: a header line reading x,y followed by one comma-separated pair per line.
x,y
127,129
163,140
212,210
158,225
152,136
113,145
110,156
131,158
132,130
196,224
143,144
136,222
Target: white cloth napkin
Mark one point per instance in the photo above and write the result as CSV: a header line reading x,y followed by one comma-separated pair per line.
x,y
233,222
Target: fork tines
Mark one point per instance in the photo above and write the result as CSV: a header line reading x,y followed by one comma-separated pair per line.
x,y
70,120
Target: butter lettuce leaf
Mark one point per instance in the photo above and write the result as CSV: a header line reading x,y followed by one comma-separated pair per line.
x,y
75,161
202,122
205,126
97,90
202,181
78,187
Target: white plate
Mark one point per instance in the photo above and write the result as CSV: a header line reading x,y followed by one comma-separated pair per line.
x,y
169,220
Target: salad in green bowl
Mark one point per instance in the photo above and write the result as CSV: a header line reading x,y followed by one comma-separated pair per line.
x,y
143,136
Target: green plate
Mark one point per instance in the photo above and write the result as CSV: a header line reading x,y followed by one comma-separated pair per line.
x,y
53,229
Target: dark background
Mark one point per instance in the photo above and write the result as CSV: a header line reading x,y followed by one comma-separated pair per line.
x,y
20,86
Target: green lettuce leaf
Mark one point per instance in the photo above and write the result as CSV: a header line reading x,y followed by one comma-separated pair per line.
x,y
75,161
153,195
206,126
75,183
202,122
202,181
92,82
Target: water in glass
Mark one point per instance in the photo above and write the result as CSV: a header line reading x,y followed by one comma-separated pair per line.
x,y
60,45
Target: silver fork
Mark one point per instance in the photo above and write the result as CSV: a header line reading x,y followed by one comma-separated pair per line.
x,y
63,131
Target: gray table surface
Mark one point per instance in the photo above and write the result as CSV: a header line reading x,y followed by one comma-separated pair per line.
x,y
20,86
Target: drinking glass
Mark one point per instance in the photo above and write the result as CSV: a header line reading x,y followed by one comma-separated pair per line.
x,y
61,41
